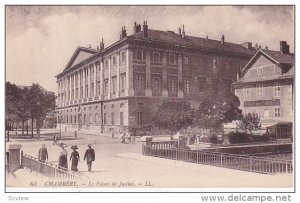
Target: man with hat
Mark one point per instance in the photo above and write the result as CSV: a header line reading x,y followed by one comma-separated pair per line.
x,y
89,156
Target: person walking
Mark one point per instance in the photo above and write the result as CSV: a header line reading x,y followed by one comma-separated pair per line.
x,y
42,157
123,137
89,156
74,158
43,154
63,158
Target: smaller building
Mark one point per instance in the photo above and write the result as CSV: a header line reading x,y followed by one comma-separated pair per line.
x,y
265,85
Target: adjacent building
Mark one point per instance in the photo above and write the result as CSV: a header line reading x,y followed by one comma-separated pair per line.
x,y
108,89
266,85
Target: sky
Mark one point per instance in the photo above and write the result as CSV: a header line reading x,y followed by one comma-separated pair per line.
x,y
40,40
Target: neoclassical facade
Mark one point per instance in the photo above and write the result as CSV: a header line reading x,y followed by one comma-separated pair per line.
x,y
107,89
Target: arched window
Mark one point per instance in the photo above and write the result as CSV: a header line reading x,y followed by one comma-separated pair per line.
x,y
139,83
156,85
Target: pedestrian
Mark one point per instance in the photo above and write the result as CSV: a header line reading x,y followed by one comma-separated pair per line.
x,y
74,158
123,137
89,156
54,140
63,158
75,133
43,154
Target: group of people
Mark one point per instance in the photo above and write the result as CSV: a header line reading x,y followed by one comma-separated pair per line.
x,y
89,156
126,135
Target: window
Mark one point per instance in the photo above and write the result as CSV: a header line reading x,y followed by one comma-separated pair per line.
x,y
247,92
277,111
121,118
75,121
114,60
276,89
186,60
92,89
106,63
172,85
259,90
90,119
123,56
81,92
139,83
139,55
140,118
172,59
96,118
215,64
266,113
156,84
228,83
156,56
114,84
106,87
123,82
71,120
113,118
202,82
259,70
84,118
186,86
104,118
98,87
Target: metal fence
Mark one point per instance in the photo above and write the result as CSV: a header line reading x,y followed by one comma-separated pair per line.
x,y
46,168
233,161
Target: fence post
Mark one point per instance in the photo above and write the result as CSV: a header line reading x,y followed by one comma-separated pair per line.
x,y
176,153
286,166
197,156
221,159
250,163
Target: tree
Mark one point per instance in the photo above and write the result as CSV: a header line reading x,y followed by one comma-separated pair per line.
x,y
249,122
220,108
41,103
174,115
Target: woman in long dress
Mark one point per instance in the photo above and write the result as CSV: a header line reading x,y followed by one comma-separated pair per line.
x,y
63,158
74,158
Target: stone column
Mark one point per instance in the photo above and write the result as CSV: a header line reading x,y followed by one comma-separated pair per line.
x,y
109,78
14,159
95,79
180,86
83,82
148,75
164,76
89,82
129,91
101,80
118,76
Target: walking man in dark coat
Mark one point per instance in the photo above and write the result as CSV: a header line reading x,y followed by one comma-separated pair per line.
x,y
89,156
43,154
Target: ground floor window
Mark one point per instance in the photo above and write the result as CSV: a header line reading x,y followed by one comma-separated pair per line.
x,y
121,118
277,111
140,118
104,118
113,118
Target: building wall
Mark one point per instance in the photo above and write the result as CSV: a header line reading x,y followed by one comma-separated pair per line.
x,y
135,80
263,95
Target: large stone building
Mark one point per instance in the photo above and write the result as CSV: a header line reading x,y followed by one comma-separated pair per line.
x,y
266,85
105,89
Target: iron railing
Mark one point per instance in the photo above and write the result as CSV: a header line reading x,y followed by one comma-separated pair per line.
x,y
233,161
46,168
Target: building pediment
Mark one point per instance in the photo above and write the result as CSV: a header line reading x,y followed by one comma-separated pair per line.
x,y
80,54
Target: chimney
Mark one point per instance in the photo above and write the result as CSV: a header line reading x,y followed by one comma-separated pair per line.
x,y
101,44
90,46
222,39
206,38
136,28
266,47
123,33
256,46
97,47
259,47
145,29
183,32
179,32
284,47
